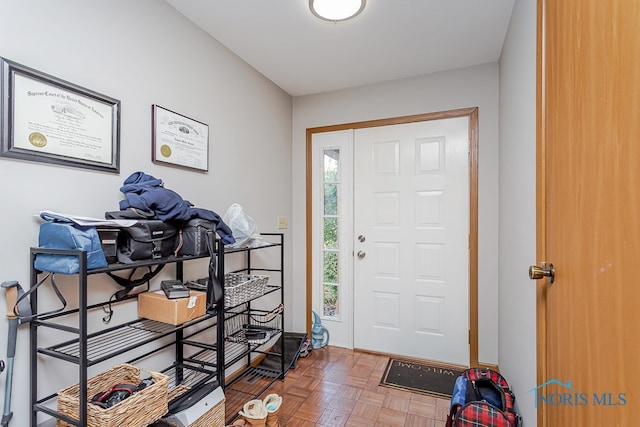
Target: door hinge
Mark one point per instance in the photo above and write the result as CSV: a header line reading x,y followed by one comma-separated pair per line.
x,y
469,336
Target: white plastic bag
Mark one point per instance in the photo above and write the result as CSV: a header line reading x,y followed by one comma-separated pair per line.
x,y
243,227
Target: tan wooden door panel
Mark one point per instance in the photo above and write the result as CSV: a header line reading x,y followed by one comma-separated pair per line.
x,y
589,212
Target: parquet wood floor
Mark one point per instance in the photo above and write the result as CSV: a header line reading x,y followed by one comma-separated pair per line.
x,y
336,387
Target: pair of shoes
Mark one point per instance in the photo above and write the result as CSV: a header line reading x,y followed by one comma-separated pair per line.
x,y
261,413
305,348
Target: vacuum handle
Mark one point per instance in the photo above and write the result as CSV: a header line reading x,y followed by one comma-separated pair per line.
x,y
11,292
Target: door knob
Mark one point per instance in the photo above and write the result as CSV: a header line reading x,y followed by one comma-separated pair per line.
x,y
361,238
543,270
361,254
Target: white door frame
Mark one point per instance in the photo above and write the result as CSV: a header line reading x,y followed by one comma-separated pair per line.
x,y
472,113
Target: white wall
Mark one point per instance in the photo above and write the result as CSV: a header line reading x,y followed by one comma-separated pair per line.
x,y
141,52
517,337
469,87
144,52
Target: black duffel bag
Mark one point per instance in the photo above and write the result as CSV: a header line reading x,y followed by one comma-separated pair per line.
x,y
147,239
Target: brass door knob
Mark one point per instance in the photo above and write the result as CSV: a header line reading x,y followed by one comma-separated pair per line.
x,y
543,270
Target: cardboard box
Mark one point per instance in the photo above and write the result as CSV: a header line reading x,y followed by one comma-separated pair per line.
x,y
155,305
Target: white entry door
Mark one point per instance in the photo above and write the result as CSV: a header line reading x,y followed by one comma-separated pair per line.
x,y
411,247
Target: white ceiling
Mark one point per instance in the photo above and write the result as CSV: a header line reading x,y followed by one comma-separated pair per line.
x,y
391,39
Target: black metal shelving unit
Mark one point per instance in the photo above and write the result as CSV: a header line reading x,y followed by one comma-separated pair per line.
x,y
252,381
88,349
204,362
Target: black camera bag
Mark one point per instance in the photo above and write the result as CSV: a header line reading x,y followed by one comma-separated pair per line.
x,y
147,239
192,237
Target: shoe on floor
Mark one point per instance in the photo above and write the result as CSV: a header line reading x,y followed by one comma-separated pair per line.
x,y
305,348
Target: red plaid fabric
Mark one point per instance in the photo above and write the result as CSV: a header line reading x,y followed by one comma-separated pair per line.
x,y
477,373
481,413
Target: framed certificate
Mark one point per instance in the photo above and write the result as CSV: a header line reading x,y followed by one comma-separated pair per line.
x,y
179,140
47,119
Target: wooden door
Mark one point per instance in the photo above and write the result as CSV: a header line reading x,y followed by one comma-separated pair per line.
x,y
589,212
411,216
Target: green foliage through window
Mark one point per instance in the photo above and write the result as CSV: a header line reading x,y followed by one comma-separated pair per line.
x,y
330,225
331,233
331,273
331,199
331,303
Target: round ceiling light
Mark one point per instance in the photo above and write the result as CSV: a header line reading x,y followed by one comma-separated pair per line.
x,y
336,10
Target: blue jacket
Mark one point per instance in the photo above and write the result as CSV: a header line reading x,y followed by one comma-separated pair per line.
x,y
148,193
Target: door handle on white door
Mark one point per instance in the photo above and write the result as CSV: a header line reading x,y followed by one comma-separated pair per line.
x,y
544,270
361,238
361,254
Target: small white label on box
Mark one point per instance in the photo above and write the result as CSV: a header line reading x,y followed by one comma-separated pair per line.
x,y
192,302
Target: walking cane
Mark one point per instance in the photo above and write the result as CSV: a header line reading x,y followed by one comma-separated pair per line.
x,y
12,291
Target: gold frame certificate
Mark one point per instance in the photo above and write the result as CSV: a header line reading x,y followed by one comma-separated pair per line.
x,y
55,121
179,140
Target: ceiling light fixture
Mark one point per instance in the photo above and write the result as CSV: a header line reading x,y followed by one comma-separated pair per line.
x,y
336,10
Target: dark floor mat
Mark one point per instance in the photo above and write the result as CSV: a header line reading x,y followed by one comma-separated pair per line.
x,y
423,377
292,346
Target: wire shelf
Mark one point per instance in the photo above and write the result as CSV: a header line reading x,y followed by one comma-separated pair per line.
x,y
105,344
253,326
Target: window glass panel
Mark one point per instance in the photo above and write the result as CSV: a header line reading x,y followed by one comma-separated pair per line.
x,y
331,305
331,267
331,158
331,233
331,223
331,199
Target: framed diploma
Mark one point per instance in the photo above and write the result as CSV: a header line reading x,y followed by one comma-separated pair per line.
x,y
179,140
47,119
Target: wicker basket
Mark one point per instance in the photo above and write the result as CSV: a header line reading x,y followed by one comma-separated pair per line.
x,y
214,417
239,288
137,410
